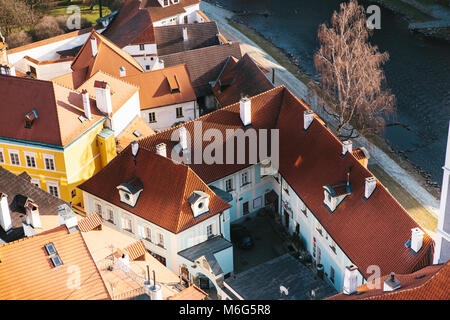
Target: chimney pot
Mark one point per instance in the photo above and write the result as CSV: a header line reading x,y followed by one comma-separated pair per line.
x,y
185,34
86,104
308,117
350,280
161,149
245,105
183,138
347,146
5,216
370,185
416,239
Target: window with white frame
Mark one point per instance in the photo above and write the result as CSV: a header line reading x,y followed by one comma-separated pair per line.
x,y
244,178
160,240
210,230
229,185
98,208
126,224
36,182
2,156
141,47
109,215
53,188
14,157
179,112
148,234
49,162
30,159
151,117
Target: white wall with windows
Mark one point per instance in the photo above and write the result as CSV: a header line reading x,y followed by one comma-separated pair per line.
x,y
164,117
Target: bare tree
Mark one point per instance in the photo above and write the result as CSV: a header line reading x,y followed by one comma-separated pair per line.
x,y
351,73
14,15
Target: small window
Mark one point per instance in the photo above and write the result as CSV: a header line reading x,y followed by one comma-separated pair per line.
x,y
50,248
244,178
319,228
332,274
49,162
53,188
179,112
126,224
109,215
141,47
228,185
147,67
148,234
2,157
74,193
209,231
161,240
56,260
151,117
137,134
245,208
15,159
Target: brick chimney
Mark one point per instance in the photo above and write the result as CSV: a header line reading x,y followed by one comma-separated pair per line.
x,y
245,108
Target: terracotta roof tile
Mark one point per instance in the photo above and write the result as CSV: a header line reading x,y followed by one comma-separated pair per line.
x,y
135,250
155,87
57,107
429,283
360,227
127,135
27,273
109,59
157,12
204,64
243,78
163,203
90,222
169,39
191,293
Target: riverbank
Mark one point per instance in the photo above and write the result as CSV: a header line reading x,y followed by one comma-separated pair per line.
x,y
289,73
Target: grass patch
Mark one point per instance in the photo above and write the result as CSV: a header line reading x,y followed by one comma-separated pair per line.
x,y
421,215
90,15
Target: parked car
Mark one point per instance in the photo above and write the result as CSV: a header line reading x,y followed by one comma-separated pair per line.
x,y
241,236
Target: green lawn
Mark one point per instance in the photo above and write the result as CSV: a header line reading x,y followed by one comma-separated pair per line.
x,y
90,15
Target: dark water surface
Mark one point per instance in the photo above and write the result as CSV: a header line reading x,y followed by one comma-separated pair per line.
x,y
418,71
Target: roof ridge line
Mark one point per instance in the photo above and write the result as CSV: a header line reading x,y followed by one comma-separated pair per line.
x,y
213,112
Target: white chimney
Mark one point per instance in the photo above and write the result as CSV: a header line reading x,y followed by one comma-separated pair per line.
x,y
123,72
33,217
350,280
347,147
86,104
5,216
185,34
124,262
183,138
155,292
94,46
308,117
391,283
103,97
245,105
371,183
161,149
67,216
416,239
12,71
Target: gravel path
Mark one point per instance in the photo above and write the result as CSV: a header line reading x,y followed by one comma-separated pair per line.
x,y
284,77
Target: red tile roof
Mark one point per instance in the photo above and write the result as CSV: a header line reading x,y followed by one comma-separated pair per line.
x,y
167,187
27,273
242,78
157,12
429,283
135,250
360,227
90,222
109,59
57,107
155,88
191,293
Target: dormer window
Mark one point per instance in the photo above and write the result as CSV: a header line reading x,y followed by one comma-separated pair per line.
x,y
30,117
199,202
334,194
129,192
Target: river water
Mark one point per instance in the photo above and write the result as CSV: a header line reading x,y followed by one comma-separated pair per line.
x,y
418,72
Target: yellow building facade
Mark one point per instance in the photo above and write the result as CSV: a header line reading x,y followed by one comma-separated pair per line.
x,y
59,170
